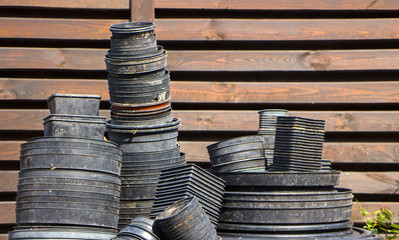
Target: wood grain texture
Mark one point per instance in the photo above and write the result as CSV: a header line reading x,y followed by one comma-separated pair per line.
x,y
345,152
7,213
3,236
347,121
78,4
280,29
8,181
324,60
216,4
342,152
371,182
142,10
67,29
205,29
218,92
280,5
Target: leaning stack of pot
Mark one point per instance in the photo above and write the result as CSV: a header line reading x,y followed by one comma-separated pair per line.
x,y
141,114
69,183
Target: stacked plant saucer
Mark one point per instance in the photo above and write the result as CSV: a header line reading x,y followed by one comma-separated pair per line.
x,y
189,180
141,115
69,185
298,145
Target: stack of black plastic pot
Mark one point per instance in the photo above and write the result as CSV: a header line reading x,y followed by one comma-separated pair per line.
x,y
295,199
186,181
69,183
141,115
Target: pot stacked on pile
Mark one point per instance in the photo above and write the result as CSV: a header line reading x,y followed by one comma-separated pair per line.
x,y
141,114
69,183
295,198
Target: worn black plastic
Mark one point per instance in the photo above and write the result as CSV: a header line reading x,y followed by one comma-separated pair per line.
x,y
76,159
185,220
61,232
145,138
138,228
281,179
239,164
74,104
91,127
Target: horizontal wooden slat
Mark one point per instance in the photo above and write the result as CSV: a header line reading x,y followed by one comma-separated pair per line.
x,y
3,236
70,29
217,4
371,182
346,152
8,181
346,121
7,213
359,182
78,4
209,29
218,92
323,60
272,29
280,5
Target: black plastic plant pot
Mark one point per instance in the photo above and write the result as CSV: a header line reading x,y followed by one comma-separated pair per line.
x,y
61,232
236,156
74,104
284,216
136,64
149,156
239,164
74,126
145,138
133,30
142,121
77,199
185,219
72,142
134,82
140,228
75,159
138,191
136,47
73,216
126,78
140,98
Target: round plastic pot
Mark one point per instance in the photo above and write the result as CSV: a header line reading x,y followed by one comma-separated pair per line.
x,y
138,191
136,64
145,138
142,107
140,98
236,156
239,164
185,219
142,121
74,126
74,104
74,161
61,232
136,30
72,142
149,156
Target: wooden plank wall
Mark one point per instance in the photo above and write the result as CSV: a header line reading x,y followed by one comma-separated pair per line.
x,y
336,60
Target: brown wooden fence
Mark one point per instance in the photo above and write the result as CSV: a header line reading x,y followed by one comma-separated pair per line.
x,y
336,60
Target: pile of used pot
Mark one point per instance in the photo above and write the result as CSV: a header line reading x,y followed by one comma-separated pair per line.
x,y
278,187
69,185
141,115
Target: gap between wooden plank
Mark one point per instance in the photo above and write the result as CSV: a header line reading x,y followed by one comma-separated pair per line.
x,y
78,4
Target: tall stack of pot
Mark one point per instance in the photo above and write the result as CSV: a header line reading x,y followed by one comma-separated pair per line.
x,y
69,183
141,115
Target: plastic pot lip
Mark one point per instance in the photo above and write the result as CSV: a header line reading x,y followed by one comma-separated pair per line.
x,y
74,118
273,111
238,161
236,141
116,55
164,216
78,139
174,124
132,27
156,152
23,148
126,58
62,95
140,105
166,75
339,192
